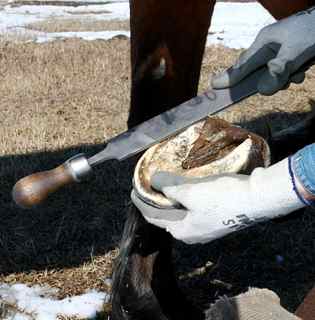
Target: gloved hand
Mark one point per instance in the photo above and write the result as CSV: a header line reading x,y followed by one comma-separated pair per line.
x,y
258,304
284,47
215,206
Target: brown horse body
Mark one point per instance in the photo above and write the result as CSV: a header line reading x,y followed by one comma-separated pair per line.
x,y
167,44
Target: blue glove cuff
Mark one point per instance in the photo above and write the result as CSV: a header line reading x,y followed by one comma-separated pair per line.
x,y
302,166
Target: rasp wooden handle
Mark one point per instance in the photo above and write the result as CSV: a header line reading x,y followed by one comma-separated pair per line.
x,y
34,189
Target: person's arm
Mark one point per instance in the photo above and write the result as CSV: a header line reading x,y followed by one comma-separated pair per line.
x,y
285,48
215,206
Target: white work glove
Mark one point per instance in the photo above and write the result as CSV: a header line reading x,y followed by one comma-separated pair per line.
x,y
212,207
286,48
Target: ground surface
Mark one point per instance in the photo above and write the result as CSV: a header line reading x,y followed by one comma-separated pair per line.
x,y
65,97
60,98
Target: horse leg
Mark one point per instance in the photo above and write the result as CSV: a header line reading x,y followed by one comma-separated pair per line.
x,y
144,285
284,8
167,44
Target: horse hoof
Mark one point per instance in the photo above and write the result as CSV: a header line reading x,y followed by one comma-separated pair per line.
x,y
209,147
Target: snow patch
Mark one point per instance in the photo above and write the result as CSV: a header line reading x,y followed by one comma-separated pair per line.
x,y
234,25
13,17
40,303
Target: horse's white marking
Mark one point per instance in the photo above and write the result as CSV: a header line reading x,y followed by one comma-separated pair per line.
x,y
159,72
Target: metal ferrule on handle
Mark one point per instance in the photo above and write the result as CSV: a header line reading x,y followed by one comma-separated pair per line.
x,y
79,167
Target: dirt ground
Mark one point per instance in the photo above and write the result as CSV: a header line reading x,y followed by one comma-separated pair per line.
x,y
65,97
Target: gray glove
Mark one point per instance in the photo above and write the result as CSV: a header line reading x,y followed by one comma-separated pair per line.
x,y
285,47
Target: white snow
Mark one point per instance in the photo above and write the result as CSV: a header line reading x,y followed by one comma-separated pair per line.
x,y
236,25
40,303
233,25
11,17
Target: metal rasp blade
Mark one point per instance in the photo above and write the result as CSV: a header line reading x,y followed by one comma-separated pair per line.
x,y
170,122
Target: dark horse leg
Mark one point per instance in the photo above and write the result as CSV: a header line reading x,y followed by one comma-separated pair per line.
x,y
167,44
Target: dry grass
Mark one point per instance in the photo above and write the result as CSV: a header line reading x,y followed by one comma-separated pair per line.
x,y
75,25
95,273
60,98
53,89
